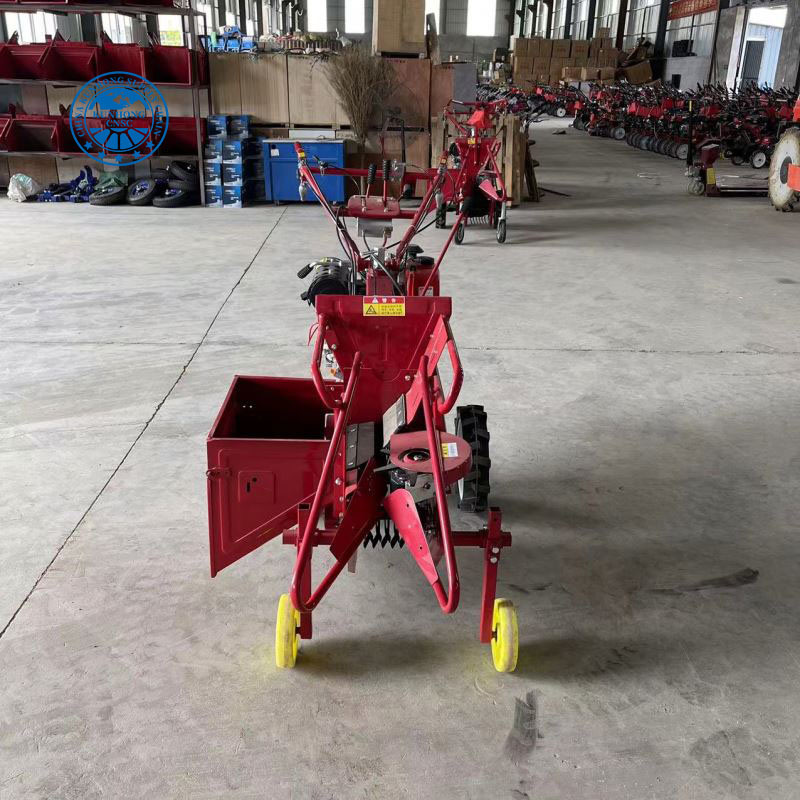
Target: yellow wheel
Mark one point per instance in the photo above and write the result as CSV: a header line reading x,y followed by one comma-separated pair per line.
x,y
505,636
287,638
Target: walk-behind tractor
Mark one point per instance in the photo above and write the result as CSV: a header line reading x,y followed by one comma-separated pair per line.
x,y
359,453
784,170
475,185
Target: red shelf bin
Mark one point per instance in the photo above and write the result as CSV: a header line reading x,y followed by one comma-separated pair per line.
x,y
23,61
71,61
173,65
28,133
181,138
121,58
178,66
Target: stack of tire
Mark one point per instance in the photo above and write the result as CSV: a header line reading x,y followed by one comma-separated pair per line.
x,y
177,185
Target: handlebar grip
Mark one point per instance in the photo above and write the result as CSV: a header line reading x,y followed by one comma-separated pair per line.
x,y
371,172
387,169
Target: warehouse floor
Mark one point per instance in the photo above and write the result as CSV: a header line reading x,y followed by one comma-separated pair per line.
x,y
637,351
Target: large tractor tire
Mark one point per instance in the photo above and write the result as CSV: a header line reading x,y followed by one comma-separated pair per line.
x,y
787,152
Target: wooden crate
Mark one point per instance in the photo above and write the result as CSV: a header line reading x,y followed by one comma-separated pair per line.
x,y
41,168
226,84
398,26
312,100
418,153
264,86
452,82
411,98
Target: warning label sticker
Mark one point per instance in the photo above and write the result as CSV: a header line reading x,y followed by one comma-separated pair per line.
x,y
384,306
450,449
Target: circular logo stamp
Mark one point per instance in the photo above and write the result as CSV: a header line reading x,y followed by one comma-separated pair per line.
x,y
119,118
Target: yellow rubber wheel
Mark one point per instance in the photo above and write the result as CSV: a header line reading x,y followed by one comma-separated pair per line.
x,y
287,637
505,636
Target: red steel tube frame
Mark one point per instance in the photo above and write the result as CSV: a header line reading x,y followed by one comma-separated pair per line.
x,y
448,602
304,551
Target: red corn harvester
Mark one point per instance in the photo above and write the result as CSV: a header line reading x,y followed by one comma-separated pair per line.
x,y
359,453
474,186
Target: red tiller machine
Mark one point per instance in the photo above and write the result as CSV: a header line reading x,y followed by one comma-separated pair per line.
x,y
475,185
359,453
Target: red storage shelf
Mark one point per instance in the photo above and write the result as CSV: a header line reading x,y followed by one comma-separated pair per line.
x,y
72,61
27,133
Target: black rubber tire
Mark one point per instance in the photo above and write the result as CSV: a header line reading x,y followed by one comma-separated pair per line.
x,y
108,196
159,173
142,192
473,488
175,198
501,231
459,237
184,171
189,186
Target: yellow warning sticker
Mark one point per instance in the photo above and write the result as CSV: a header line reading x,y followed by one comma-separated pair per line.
x,y
384,306
449,449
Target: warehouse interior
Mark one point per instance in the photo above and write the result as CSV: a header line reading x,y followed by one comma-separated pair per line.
x,y
622,309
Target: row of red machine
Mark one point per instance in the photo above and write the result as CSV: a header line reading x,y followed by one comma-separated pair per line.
x,y
360,453
754,125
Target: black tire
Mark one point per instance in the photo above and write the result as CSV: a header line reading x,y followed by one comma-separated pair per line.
x,y
441,217
759,159
189,186
175,198
184,171
459,237
142,192
108,196
473,488
501,231
159,173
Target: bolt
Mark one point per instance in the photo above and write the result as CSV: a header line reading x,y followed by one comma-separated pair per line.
x,y
408,377
493,559
333,347
341,500
338,482
494,549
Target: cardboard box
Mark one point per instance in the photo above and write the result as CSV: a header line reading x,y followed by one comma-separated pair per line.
x,y
545,48
602,33
588,73
212,151
608,58
541,64
235,151
217,125
523,67
606,73
639,73
520,45
212,173
580,48
213,196
562,48
398,27
571,73
240,196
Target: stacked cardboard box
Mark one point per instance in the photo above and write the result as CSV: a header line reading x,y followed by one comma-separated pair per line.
x,y
233,170
538,60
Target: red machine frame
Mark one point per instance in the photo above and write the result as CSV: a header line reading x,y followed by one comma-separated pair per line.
x,y
299,458
476,148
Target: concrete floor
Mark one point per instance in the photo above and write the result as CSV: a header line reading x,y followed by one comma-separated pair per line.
x,y
637,350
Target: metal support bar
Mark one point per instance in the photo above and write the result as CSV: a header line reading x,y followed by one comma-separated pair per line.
x,y
622,18
661,30
568,19
590,19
